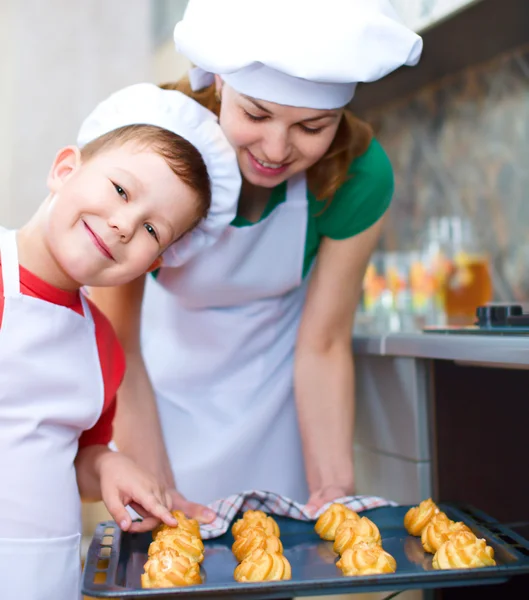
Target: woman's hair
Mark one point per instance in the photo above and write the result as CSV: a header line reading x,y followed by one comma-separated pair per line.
x,y
330,172
184,160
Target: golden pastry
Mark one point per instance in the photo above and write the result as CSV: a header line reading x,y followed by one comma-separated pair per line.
x,y
332,518
181,541
252,518
366,558
418,517
261,565
463,551
184,523
253,538
352,531
170,569
439,530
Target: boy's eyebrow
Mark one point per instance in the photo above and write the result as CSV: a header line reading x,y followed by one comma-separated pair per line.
x,y
168,225
136,182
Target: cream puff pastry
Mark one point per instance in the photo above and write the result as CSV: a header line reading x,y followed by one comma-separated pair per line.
x,y
463,551
331,519
167,568
366,558
352,531
252,539
419,516
252,518
261,565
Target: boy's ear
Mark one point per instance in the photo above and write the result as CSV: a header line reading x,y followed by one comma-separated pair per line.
x,y
156,264
66,162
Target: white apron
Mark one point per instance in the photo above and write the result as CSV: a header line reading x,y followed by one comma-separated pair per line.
x,y
51,390
218,338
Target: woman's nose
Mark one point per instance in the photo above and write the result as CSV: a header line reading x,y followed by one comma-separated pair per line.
x,y
276,146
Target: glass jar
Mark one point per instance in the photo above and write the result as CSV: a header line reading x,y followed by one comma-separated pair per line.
x,y
460,269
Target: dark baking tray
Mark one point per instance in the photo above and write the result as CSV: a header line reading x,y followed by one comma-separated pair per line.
x,y
115,561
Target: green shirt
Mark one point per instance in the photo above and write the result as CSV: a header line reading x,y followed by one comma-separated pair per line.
x,y
358,203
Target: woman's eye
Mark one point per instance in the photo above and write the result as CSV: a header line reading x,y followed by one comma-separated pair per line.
x,y
150,230
254,117
310,130
120,191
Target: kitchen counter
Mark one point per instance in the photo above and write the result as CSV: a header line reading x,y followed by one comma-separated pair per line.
x,y
490,349
423,403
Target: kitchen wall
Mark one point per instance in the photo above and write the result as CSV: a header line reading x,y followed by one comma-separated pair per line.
x,y
460,148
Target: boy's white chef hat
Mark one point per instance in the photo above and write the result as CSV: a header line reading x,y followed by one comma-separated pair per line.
x,y
295,52
147,104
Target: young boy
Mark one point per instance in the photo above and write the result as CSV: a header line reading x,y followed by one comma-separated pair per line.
x,y
113,208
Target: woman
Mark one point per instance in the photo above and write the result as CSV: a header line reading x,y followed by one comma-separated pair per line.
x,y
247,347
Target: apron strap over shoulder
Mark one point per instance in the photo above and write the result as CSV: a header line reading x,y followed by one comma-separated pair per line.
x,y
86,308
10,265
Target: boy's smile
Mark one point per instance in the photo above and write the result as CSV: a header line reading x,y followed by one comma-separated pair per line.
x,y
98,242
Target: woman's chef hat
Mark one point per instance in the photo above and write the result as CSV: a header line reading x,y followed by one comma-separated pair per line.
x,y
295,52
147,104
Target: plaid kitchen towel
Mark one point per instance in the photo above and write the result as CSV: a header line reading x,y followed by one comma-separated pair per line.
x,y
274,504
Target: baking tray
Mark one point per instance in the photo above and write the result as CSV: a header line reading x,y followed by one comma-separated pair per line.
x,y
115,561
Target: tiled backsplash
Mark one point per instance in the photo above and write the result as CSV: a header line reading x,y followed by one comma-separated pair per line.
x,y
461,148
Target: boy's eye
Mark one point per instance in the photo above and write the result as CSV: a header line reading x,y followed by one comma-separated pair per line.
x,y
150,230
120,190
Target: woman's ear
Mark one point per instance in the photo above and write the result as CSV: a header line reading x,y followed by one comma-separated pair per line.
x,y
156,264
66,162
218,87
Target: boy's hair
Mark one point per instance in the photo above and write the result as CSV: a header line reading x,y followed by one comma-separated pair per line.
x,y
330,172
184,160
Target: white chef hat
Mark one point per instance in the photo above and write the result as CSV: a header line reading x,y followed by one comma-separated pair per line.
x,y
147,104
295,52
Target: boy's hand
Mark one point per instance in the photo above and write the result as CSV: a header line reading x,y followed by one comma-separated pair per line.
x,y
123,484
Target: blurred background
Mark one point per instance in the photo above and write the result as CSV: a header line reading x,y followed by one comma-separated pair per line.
x,y
59,58
456,129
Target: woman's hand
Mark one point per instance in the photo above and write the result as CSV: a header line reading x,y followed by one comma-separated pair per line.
x,y
201,513
327,494
324,365
124,484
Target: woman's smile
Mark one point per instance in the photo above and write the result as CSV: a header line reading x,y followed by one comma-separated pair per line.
x,y
267,168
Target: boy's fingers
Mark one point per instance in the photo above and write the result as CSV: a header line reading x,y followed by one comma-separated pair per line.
x,y
154,506
118,512
148,524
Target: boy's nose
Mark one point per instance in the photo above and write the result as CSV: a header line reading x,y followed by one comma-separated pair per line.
x,y
123,225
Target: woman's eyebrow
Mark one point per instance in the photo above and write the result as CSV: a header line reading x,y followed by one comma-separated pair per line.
x,y
266,110
259,106
327,116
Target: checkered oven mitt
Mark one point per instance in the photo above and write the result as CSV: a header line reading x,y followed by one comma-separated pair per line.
x,y
274,504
